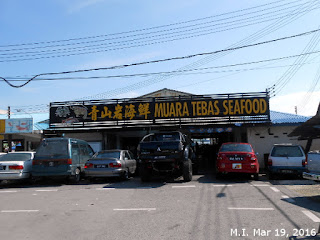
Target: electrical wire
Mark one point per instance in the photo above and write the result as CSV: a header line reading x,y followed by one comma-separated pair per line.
x,y
157,27
298,13
162,60
184,72
157,39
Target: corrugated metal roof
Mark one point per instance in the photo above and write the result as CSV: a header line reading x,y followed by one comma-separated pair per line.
x,y
280,118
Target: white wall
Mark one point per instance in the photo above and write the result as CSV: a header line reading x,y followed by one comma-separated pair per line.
x,y
263,138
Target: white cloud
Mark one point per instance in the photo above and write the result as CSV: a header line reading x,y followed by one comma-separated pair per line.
x,y
287,103
3,111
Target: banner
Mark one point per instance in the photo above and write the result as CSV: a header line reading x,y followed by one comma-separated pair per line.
x,y
19,125
154,110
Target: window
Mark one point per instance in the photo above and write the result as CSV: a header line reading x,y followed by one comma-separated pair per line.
x,y
126,155
53,149
16,157
111,154
286,151
236,148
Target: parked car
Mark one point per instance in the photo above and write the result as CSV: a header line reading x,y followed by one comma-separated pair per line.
x,y
61,157
111,163
237,158
313,166
166,153
16,165
286,159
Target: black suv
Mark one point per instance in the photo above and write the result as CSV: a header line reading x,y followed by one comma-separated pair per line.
x,y
166,153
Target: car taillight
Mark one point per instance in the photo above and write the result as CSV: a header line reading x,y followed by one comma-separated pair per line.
x,y
88,165
16,167
115,165
69,161
269,162
221,156
252,157
304,162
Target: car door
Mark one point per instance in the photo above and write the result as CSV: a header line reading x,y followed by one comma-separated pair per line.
x,y
129,161
75,154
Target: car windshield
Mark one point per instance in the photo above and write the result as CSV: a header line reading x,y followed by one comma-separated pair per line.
x,y
108,155
286,151
236,148
16,157
53,149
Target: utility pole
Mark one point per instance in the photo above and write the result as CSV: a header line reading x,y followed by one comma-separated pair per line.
x,y
296,110
9,135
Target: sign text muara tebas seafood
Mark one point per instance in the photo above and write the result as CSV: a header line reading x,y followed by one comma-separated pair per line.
x,y
163,108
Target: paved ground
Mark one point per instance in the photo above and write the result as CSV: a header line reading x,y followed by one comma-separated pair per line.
x,y
205,208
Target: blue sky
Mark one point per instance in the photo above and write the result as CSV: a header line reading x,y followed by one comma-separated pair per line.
x,y
27,24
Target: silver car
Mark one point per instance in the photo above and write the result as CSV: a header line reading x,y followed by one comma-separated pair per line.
x,y
111,163
16,165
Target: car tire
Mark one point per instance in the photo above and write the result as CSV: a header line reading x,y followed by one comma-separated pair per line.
x,y
76,177
125,175
187,171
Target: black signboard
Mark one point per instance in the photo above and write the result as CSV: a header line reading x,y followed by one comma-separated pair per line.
x,y
153,109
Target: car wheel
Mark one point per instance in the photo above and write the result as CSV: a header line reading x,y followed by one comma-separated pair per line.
x,y
125,175
76,177
187,171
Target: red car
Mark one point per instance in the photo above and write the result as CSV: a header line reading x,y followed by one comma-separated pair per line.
x,y
237,158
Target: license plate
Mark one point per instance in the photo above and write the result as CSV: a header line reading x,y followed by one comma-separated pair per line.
x,y
236,166
287,171
101,166
159,157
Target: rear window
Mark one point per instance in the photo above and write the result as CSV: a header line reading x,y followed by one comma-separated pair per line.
x,y
16,157
58,149
286,151
163,137
236,148
107,155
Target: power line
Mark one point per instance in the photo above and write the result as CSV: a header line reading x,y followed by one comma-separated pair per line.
x,y
151,28
297,13
157,39
17,79
161,60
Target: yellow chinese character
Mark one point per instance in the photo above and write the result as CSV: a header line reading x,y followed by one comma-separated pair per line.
x,y
144,109
130,112
118,112
106,113
94,113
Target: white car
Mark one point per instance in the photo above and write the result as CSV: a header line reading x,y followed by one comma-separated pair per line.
x,y
16,165
286,159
